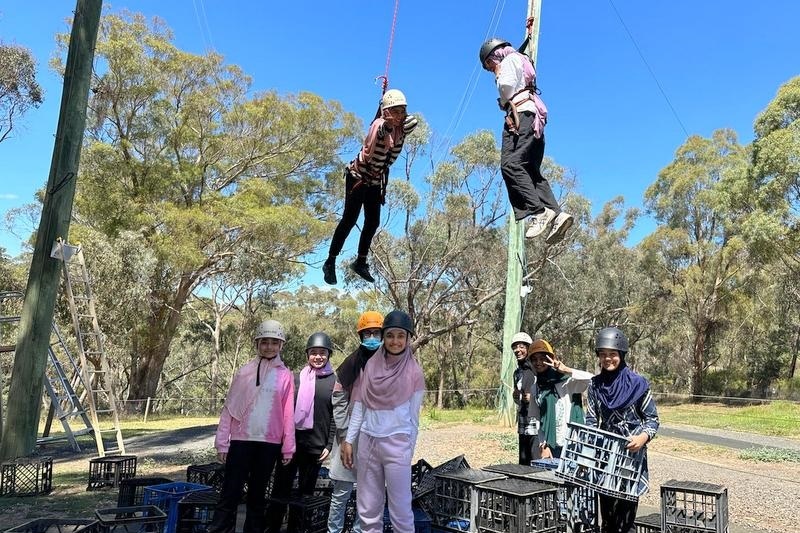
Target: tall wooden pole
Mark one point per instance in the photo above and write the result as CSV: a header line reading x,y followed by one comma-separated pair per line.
x,y
512,320
27,378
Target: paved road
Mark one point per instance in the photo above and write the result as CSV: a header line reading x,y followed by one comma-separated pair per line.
x,y
729,439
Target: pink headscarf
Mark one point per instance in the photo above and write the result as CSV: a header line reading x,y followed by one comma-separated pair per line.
x,y
527,67
304,407
383,386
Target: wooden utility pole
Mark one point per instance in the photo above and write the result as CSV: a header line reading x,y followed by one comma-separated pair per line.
x,y
30,358
512,320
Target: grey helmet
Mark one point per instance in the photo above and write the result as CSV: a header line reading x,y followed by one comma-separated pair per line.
x,y
611,338
270,329
490,46
398,319
319,340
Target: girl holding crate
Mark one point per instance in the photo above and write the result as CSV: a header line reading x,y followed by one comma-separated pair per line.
x,y
619,401
387,400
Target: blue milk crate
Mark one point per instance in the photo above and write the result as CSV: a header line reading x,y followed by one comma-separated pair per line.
x,y
167,496
422,522
548,464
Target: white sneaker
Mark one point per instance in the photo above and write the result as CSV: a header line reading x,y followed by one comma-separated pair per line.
x,y
539,223
561,224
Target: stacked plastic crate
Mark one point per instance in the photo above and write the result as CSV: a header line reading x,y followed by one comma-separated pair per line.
x,y
110,470
167,496
516,506
131,490
56,525
211,474
693,507
26,476
138,519
455,501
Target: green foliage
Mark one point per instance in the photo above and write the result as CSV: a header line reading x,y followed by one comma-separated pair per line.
x,y
19,90
774,418
770,455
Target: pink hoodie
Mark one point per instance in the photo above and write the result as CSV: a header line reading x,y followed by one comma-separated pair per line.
x,y
262,414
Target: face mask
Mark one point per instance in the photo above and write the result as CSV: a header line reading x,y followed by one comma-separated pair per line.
x,y
371,343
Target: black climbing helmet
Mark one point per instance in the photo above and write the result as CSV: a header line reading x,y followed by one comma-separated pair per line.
x,y
319,340
398,319
611,338
490,46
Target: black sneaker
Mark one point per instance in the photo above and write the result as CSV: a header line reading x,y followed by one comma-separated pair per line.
x,y
329,272
362,269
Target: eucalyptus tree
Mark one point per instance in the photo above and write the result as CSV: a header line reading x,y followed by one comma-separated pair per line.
x,y
182,153
697,253
19,90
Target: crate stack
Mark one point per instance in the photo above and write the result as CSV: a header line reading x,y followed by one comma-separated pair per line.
x,y
423,494
26,476
131,490
195,511
455,500
693,507
650,523
516,506
598,460
211,474
107,472
167,496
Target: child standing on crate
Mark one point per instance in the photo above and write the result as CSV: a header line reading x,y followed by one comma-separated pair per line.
x,y
314,432
370,335
256,429
387,400
524,395
558,395
619,401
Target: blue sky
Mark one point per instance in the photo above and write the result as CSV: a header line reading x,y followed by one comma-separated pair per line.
x,y
718,62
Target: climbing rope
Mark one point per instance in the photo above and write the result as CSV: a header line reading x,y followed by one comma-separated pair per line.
x,y
385,77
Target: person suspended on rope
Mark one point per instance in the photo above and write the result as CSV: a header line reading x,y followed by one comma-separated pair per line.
x,y
366,177
522,148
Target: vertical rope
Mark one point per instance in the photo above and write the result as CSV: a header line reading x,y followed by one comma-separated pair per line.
x,y
391,42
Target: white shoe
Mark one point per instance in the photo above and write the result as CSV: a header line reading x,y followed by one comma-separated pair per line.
x,y
539,223
561,224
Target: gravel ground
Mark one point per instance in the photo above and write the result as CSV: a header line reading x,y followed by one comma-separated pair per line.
x,y
762,497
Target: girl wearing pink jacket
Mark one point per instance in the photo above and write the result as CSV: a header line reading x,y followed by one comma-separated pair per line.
x,y
256,428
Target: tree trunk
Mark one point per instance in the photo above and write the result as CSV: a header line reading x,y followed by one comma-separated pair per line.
x,y
795,350
698,358
216,334
155,344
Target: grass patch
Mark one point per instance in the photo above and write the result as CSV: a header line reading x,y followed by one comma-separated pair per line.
x,y
431,416
780,419
770,455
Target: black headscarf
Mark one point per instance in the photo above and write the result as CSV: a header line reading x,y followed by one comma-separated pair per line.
x,y
352,366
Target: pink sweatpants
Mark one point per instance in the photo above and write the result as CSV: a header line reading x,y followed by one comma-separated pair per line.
x,y
384,463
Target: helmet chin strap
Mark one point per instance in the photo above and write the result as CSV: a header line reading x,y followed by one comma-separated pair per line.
x,y
258,368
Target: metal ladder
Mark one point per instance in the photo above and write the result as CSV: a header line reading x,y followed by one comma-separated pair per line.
x,y
64,401
60,384
94,363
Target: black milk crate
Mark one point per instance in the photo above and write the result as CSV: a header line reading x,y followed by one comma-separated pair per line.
x,y
350,512
56,525
693,507
211,474
109,471
195,511
648,524
324,484
598,459
455,499
312,510
577,504
422,521
418,471
516,506
427,482
26,476
135,519
514,470
131,490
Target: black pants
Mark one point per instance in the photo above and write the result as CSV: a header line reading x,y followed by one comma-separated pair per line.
x,y
521,158
529,449
304,465
618,516
358,194
250,462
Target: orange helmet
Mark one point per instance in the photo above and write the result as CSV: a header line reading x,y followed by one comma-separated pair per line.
x,y
369,319
541,346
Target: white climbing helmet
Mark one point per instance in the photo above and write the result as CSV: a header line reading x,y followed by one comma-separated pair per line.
x,y
521,337
270,329
393,98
